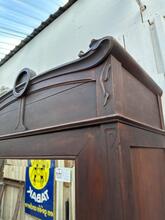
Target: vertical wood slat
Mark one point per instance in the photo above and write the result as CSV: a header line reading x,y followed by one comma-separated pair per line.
x,y
59,196
73,198
1,192
1,196
18,203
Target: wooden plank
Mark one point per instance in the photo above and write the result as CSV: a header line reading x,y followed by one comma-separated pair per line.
x,y
18,203
1,192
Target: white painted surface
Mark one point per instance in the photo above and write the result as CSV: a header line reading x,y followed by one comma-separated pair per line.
x,y
61,41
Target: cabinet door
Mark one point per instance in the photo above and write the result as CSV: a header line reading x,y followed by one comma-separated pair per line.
x,y
148,172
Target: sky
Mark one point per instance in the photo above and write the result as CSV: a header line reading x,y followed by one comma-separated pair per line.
x,y
18,18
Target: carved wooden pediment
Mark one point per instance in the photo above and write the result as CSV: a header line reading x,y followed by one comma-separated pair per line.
x,y
105,81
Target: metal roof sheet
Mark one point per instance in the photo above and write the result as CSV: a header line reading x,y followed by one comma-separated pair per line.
x,y
22,20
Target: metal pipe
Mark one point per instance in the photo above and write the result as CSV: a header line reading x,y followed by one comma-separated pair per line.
x,y
141,5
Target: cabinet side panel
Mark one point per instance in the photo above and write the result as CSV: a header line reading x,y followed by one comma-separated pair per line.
x,y
149,181
140,103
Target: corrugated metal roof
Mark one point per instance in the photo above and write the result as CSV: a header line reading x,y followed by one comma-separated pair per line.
x,y
22,20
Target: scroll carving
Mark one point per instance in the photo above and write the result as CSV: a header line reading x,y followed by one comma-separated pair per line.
x,y
92,47
111,137
104,78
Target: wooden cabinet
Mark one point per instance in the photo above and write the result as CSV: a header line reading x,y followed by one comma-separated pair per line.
x,y
104,112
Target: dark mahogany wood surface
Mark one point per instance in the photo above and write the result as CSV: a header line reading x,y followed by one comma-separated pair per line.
x,y
103,111
104,81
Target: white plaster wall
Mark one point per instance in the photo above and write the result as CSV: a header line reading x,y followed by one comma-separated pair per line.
x,y
61,41
65,37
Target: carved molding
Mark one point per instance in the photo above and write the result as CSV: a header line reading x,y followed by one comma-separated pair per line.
x,y
20,123
111,137
98,52
104,80
22,80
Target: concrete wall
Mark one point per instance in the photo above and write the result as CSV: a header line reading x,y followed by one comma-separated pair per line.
x,y
142,34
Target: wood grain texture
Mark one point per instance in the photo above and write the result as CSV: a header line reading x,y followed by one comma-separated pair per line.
x,y
95,110
149,181
89,87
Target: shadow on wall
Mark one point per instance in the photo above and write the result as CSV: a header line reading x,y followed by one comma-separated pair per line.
x,y
3,90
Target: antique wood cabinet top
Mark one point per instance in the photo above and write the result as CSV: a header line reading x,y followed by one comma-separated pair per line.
x,y
103,111
104,82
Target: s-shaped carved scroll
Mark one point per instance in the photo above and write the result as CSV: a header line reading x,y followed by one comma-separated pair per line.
x,y
104,78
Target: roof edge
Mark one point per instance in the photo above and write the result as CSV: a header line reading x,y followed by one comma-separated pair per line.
x,y
37,30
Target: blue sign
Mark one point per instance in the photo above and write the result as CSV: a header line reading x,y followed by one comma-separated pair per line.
x,y
39,189
41,163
